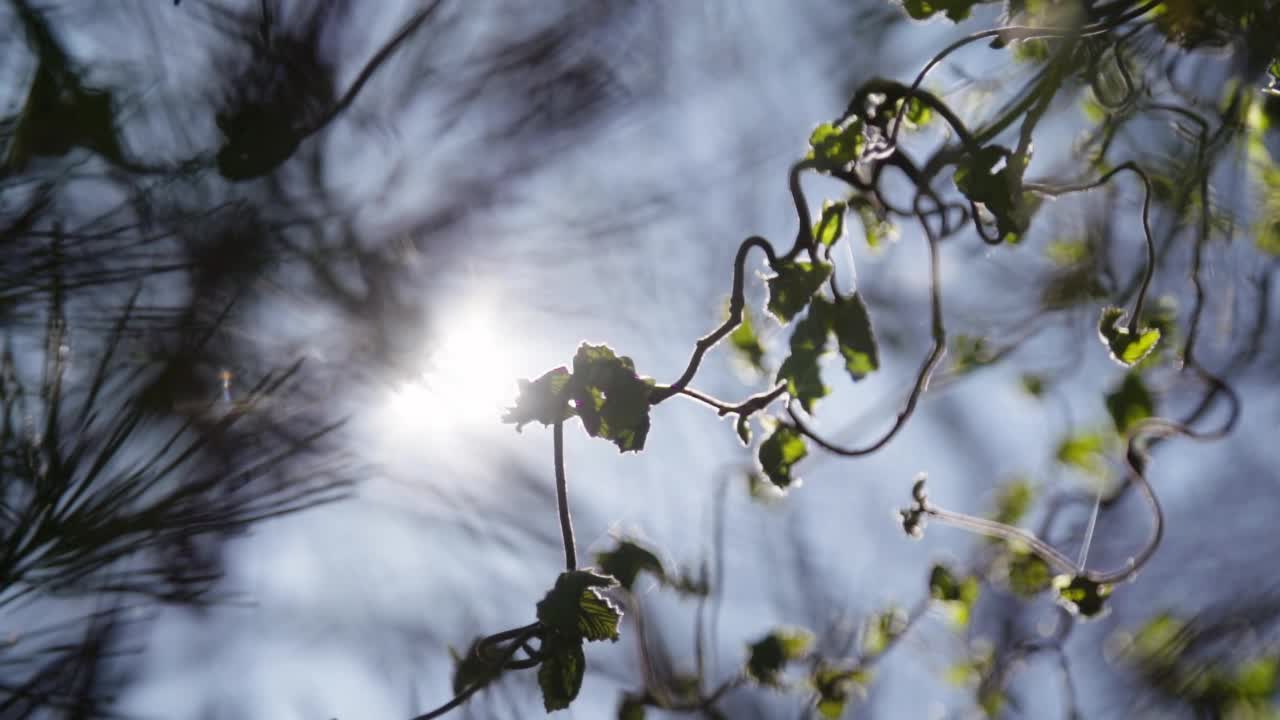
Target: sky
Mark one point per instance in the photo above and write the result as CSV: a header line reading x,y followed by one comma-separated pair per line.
x,y
620,228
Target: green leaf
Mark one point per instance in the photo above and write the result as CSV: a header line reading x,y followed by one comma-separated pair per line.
x,y
991,700
769,654
1160,641
882,630
560,675
956,10
1033,384
1085,451
744,341
1130,403
999,191
800,370
1126,349
968,352
611,399
958,596
838,146
793,286
545,400
1256,679
743,427
830,227
875,224
575,609
834,685
1027,574
762,490
1081,595
631,708
1013,502
1268,240
628,560
917,115
852,325
779,452
1066,253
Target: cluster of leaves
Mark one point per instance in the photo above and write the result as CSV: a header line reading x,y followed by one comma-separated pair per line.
x,y
991,179
1168,653
603,391
573,613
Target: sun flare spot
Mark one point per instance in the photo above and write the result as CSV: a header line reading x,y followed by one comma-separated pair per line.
x,y
468,374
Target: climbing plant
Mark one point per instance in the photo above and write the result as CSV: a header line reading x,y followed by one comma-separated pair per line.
x,y
1120,61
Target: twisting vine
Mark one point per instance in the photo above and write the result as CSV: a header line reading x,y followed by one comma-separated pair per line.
x,y
613,402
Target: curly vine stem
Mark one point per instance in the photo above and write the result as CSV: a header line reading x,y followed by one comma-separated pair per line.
x,y
1137,457
927,368
1149,270
1011,33
737,304
518,637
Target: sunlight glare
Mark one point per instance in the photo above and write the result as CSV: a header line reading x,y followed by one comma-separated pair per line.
x,y
468,376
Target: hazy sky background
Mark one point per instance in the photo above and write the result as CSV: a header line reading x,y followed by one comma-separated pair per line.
x,y
622,231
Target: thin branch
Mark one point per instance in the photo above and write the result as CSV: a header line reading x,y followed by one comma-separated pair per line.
x,y
737,303
1149,270
527,632
562,500
922,378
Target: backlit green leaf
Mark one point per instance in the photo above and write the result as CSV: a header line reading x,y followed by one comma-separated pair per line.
x,y
1013,502
545,400
957,596
1126,349
800,371
834,685
628,560
575,609
793,286
1130,403
852,325
560,675
875,225
1026,573
1065,253
743,428
779,452
611,399
998,190
1081,595
769,654
838,146
744,341
1084,451
882,630
918,114
956,10
830,227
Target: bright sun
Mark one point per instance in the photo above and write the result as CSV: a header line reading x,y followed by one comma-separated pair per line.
x,y
468,374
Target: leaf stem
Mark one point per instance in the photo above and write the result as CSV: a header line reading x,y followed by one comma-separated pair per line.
x,y
562,500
